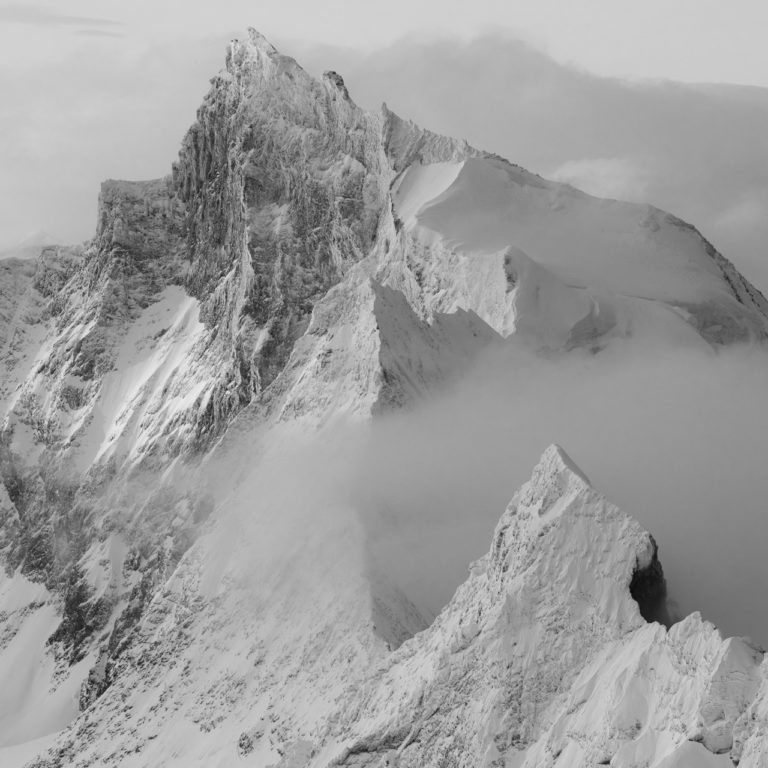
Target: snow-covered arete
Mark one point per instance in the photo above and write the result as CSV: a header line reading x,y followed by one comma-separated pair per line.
x,y
543,659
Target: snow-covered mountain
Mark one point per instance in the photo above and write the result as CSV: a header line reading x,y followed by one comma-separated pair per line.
x,y
189,578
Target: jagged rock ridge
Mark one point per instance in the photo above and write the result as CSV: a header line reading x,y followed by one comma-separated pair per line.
x,y
307,261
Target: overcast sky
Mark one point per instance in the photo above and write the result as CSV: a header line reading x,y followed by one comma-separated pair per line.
x,y
698,40
99,89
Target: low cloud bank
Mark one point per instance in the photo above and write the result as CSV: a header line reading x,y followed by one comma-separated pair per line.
x,y
677,439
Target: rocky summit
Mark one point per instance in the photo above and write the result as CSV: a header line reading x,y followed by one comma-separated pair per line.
x,y
191,576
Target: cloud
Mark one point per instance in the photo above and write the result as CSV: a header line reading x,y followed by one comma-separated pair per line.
x,y
676,437
620,178
97,33
750,210
68,127
41,16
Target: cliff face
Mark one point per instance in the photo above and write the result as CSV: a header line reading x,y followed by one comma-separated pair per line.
x,y
184,309
305,263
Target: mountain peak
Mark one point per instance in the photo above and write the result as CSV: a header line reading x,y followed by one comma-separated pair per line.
x,y
336,81
255,54
257,40
555,476
556,460
559,502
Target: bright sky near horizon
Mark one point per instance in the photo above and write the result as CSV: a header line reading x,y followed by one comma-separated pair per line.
x,y
690,40
96,89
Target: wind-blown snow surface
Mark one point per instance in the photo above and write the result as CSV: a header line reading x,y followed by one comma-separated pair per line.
x,y
188,443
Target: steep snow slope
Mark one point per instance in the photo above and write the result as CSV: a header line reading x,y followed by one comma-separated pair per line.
x,y
142,381
260,631
541,659
487,209
25,286
620,247
193,391
28,709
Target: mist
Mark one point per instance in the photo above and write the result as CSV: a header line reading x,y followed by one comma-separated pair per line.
x,y
676,439
100,113
111,111
675,435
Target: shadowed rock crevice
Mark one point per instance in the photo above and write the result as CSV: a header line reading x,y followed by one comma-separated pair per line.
x,y
649,590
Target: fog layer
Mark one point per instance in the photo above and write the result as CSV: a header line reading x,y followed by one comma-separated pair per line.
x,y
678,439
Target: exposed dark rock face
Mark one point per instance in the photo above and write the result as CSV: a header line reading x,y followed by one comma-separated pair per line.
x,y
278,190
54,268
82,617
649,590
283,190
89,300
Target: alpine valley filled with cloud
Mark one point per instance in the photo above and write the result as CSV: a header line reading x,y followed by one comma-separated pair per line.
x,y
349,444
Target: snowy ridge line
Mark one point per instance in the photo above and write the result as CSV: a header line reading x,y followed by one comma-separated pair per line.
x,y
543,659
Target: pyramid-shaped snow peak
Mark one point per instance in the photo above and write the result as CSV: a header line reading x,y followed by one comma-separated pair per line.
x,y
543,659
